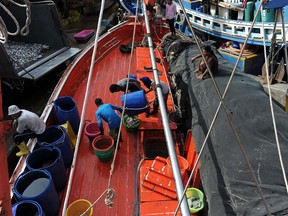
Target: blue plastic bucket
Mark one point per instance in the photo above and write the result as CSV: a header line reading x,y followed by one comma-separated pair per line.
x,y
38,185
56,136
133,76
135,102
27,208
66,110
50,159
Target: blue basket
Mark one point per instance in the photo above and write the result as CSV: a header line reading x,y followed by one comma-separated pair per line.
x,y
56,136
38,185
50,159
135,102
66,110
29,207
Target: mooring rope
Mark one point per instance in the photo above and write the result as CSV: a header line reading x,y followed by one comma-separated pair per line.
x,y
23,31
125,98
110,193
108,200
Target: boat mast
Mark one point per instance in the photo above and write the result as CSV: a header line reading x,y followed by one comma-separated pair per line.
x,y
167,131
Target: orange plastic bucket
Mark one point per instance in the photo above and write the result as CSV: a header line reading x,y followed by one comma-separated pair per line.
x,y
103,146
183,166
78,207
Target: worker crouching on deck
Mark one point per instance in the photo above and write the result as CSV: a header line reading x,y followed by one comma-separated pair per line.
x,y
108,114
27,125
151,85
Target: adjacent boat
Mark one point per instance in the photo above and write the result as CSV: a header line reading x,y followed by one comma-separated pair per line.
x,y
223,146
233,22
28,49
230,20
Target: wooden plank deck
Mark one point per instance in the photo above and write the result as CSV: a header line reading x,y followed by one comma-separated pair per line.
x,y
92,175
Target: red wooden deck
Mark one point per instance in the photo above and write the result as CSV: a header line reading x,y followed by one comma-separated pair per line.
x,y
91,175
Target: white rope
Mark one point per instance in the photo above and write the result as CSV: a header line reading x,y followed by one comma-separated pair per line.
x,y
227,113
125,97
71,175
110,192
108,201
23,31
271,105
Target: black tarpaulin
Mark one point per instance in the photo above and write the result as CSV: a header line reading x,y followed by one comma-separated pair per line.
x,y
227,181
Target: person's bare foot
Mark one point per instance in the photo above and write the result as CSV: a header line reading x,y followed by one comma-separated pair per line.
x,y
200,77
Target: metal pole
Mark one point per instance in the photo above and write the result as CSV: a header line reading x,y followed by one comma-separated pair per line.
x,y
284,37
170,143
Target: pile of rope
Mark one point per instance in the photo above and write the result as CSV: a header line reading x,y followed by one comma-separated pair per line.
x,y
23,31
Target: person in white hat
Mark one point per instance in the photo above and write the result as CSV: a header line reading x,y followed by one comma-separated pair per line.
x,y
27,125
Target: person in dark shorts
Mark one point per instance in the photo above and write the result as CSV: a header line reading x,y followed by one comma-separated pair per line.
x,y
212,62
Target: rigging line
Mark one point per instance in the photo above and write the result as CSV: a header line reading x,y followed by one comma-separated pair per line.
x,y
124,104
224,107
71,175
284,39
91,206
167,80
273,42
166,124
271,105
136,205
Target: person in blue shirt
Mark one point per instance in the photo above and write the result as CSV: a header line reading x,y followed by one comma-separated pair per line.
x,y
108,114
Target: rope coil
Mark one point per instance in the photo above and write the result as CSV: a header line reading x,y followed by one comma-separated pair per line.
x,y
23,31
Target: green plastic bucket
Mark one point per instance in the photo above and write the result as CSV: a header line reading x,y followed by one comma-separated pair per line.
x,y
195,199
131,123
103,147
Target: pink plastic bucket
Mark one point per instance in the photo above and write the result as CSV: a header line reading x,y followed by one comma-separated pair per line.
x,y
92,130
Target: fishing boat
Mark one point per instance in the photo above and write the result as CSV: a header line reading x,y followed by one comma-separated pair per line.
x,y
133,179
183,160
229,22
229,19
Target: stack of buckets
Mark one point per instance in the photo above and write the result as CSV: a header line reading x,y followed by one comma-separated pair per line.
x,y
37,189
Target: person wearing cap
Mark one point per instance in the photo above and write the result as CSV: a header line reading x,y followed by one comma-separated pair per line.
x,y
151,85
108,114
27,125
133,85
211,60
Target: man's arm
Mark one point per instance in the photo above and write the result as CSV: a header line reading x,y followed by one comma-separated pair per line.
x,y
194,58
99,119
117,108
210,62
